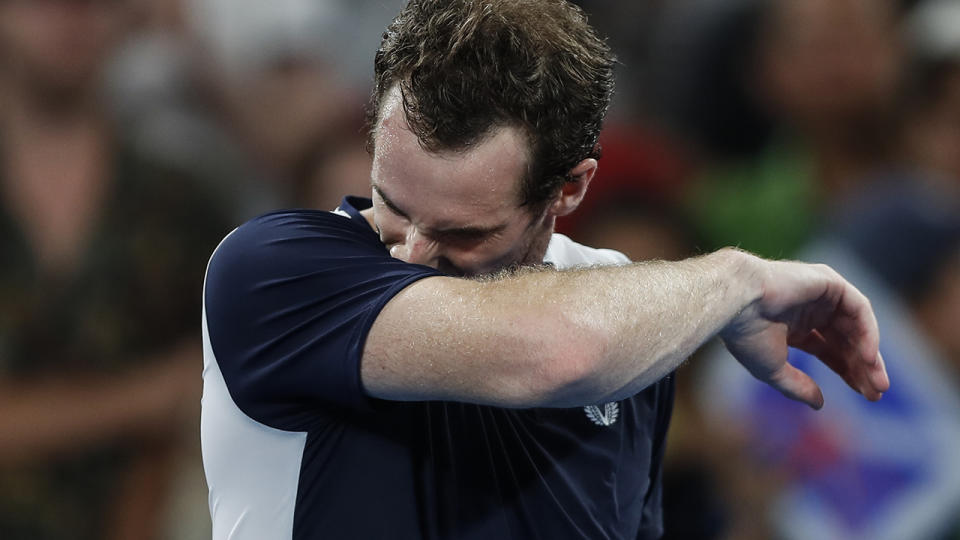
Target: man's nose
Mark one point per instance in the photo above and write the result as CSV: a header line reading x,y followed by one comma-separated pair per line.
x,y
418,249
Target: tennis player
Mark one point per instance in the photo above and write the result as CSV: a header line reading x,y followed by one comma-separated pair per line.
x,y
373,372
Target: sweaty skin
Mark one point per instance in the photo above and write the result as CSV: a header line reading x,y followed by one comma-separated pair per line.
x,y
541,337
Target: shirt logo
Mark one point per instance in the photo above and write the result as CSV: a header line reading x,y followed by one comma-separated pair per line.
x,y
603,416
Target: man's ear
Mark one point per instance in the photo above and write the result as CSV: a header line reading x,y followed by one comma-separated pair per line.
x,y
571,194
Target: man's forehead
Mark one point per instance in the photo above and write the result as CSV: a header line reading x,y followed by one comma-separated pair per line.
x,y
486,176
392,122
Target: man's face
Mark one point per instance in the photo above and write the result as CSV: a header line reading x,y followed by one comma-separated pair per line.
x,y
59,45
459,212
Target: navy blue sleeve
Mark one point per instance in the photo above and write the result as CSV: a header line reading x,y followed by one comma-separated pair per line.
x,y
289,300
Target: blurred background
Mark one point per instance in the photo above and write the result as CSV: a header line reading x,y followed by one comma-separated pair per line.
x,y
134,134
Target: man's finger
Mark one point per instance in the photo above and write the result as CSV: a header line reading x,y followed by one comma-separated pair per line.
x,y
861,370
864,334
878,375
815,344
881,378
859,324
797,385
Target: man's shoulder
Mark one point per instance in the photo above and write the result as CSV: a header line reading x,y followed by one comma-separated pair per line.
x,y
302,219
298,226
565,253
289,243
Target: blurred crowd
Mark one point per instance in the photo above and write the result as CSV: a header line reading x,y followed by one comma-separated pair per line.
x,y
135,134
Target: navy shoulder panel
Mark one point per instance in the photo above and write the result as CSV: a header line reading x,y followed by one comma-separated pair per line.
x,y
289,298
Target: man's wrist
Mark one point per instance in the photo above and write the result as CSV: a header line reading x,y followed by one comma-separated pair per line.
x,y
743,276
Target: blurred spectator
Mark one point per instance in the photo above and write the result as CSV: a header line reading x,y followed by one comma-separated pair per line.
x,y
831,69
856,470
630,27
791,107
931,115
703,61
267,98
908,233
790,104
292,78
158,86
914,209
103,255
892,223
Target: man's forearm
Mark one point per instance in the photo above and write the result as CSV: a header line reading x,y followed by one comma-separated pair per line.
x,y
650,317
549,338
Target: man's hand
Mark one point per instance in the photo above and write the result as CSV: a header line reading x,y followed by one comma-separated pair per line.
x,y
814,309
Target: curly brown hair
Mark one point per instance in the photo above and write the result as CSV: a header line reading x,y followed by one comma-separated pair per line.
x,y
465,67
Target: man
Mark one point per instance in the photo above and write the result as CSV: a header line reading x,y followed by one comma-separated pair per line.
x,y
103,243
354,388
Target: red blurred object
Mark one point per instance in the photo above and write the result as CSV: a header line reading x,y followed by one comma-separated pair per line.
x,y
635,163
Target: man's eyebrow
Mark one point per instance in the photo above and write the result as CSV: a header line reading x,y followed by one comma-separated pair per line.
x,y
469,232
390,204
462,232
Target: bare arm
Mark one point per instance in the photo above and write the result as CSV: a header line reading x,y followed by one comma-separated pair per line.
x,y
548,338
41,418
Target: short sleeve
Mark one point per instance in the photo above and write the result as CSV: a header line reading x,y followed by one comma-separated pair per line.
x,y
289,299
